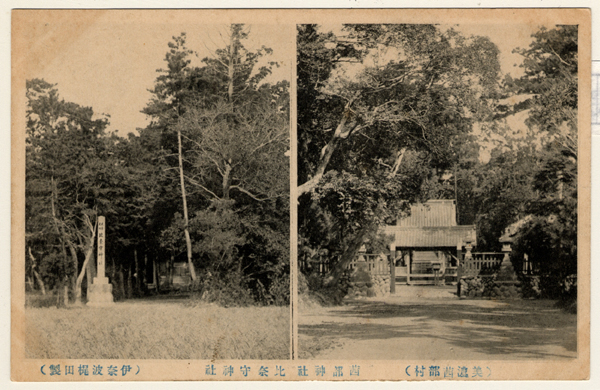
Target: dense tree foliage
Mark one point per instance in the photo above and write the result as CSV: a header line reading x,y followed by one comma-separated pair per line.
x,y
206,181
234,137
388,115
75,172
530,178
549,238
393,114
382,108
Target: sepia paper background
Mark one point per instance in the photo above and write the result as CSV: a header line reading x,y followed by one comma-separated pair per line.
x,y
25,44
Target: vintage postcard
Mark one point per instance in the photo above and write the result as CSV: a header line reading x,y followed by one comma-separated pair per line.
x,y
288,195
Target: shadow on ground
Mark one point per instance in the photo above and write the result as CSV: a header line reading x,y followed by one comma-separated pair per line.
x,y
523,328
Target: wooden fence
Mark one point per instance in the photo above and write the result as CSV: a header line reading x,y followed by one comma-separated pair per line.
x,y
376,264
321,266
481,263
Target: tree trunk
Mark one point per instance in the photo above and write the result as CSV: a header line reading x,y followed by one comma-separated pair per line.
x,y
59,296
348,255
346,126
171,270
129,286
113,275
88,256
155,275
231,65
392,272
137,272
188,241
57,225
397,163
227,181
75,260
145,279
36,275
29,283
122,282
66,293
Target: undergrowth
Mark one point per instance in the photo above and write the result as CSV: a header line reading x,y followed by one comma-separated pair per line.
x,y
158,331
312,292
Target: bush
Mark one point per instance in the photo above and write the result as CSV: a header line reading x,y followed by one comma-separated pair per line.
x,y
314,282
314,290
530,286
39,300
551,244
279,291
228,290
328,296
302,284
488,287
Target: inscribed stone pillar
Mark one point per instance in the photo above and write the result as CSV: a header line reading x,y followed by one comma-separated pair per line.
x,y
100,292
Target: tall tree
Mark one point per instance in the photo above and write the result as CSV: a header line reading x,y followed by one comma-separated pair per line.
x,y
75,171
369,140
232,136
550,85
170,94
64,149
551,80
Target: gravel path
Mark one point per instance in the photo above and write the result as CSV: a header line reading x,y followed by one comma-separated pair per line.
x,y
431,323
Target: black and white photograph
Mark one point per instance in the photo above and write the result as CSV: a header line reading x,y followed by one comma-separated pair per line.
x,y
438,198
315,194
157,188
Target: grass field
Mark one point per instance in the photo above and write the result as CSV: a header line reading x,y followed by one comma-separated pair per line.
x,y
155,330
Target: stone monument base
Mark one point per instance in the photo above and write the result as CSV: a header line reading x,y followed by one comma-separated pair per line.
x,y
508,284
100,293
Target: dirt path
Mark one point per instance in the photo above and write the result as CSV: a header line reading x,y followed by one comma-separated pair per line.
x,y
431,323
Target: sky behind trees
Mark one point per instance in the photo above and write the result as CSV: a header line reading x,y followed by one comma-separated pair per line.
x,y
109,60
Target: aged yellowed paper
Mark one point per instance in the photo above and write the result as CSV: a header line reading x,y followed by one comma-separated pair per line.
x,y
216,181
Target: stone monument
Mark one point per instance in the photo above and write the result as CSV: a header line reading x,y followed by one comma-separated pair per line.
x,y
507,284
100,291
360,284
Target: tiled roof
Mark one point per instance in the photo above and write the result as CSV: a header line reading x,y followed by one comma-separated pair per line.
x,y
427,237
433,213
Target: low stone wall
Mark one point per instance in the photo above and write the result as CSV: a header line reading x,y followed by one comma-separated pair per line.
x,y
489,287
381,285
360,290
504,284
361,284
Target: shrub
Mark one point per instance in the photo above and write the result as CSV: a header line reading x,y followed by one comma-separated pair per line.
x,y
226,290
318,292
302,284
551,244
279,291
39,300
530,286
